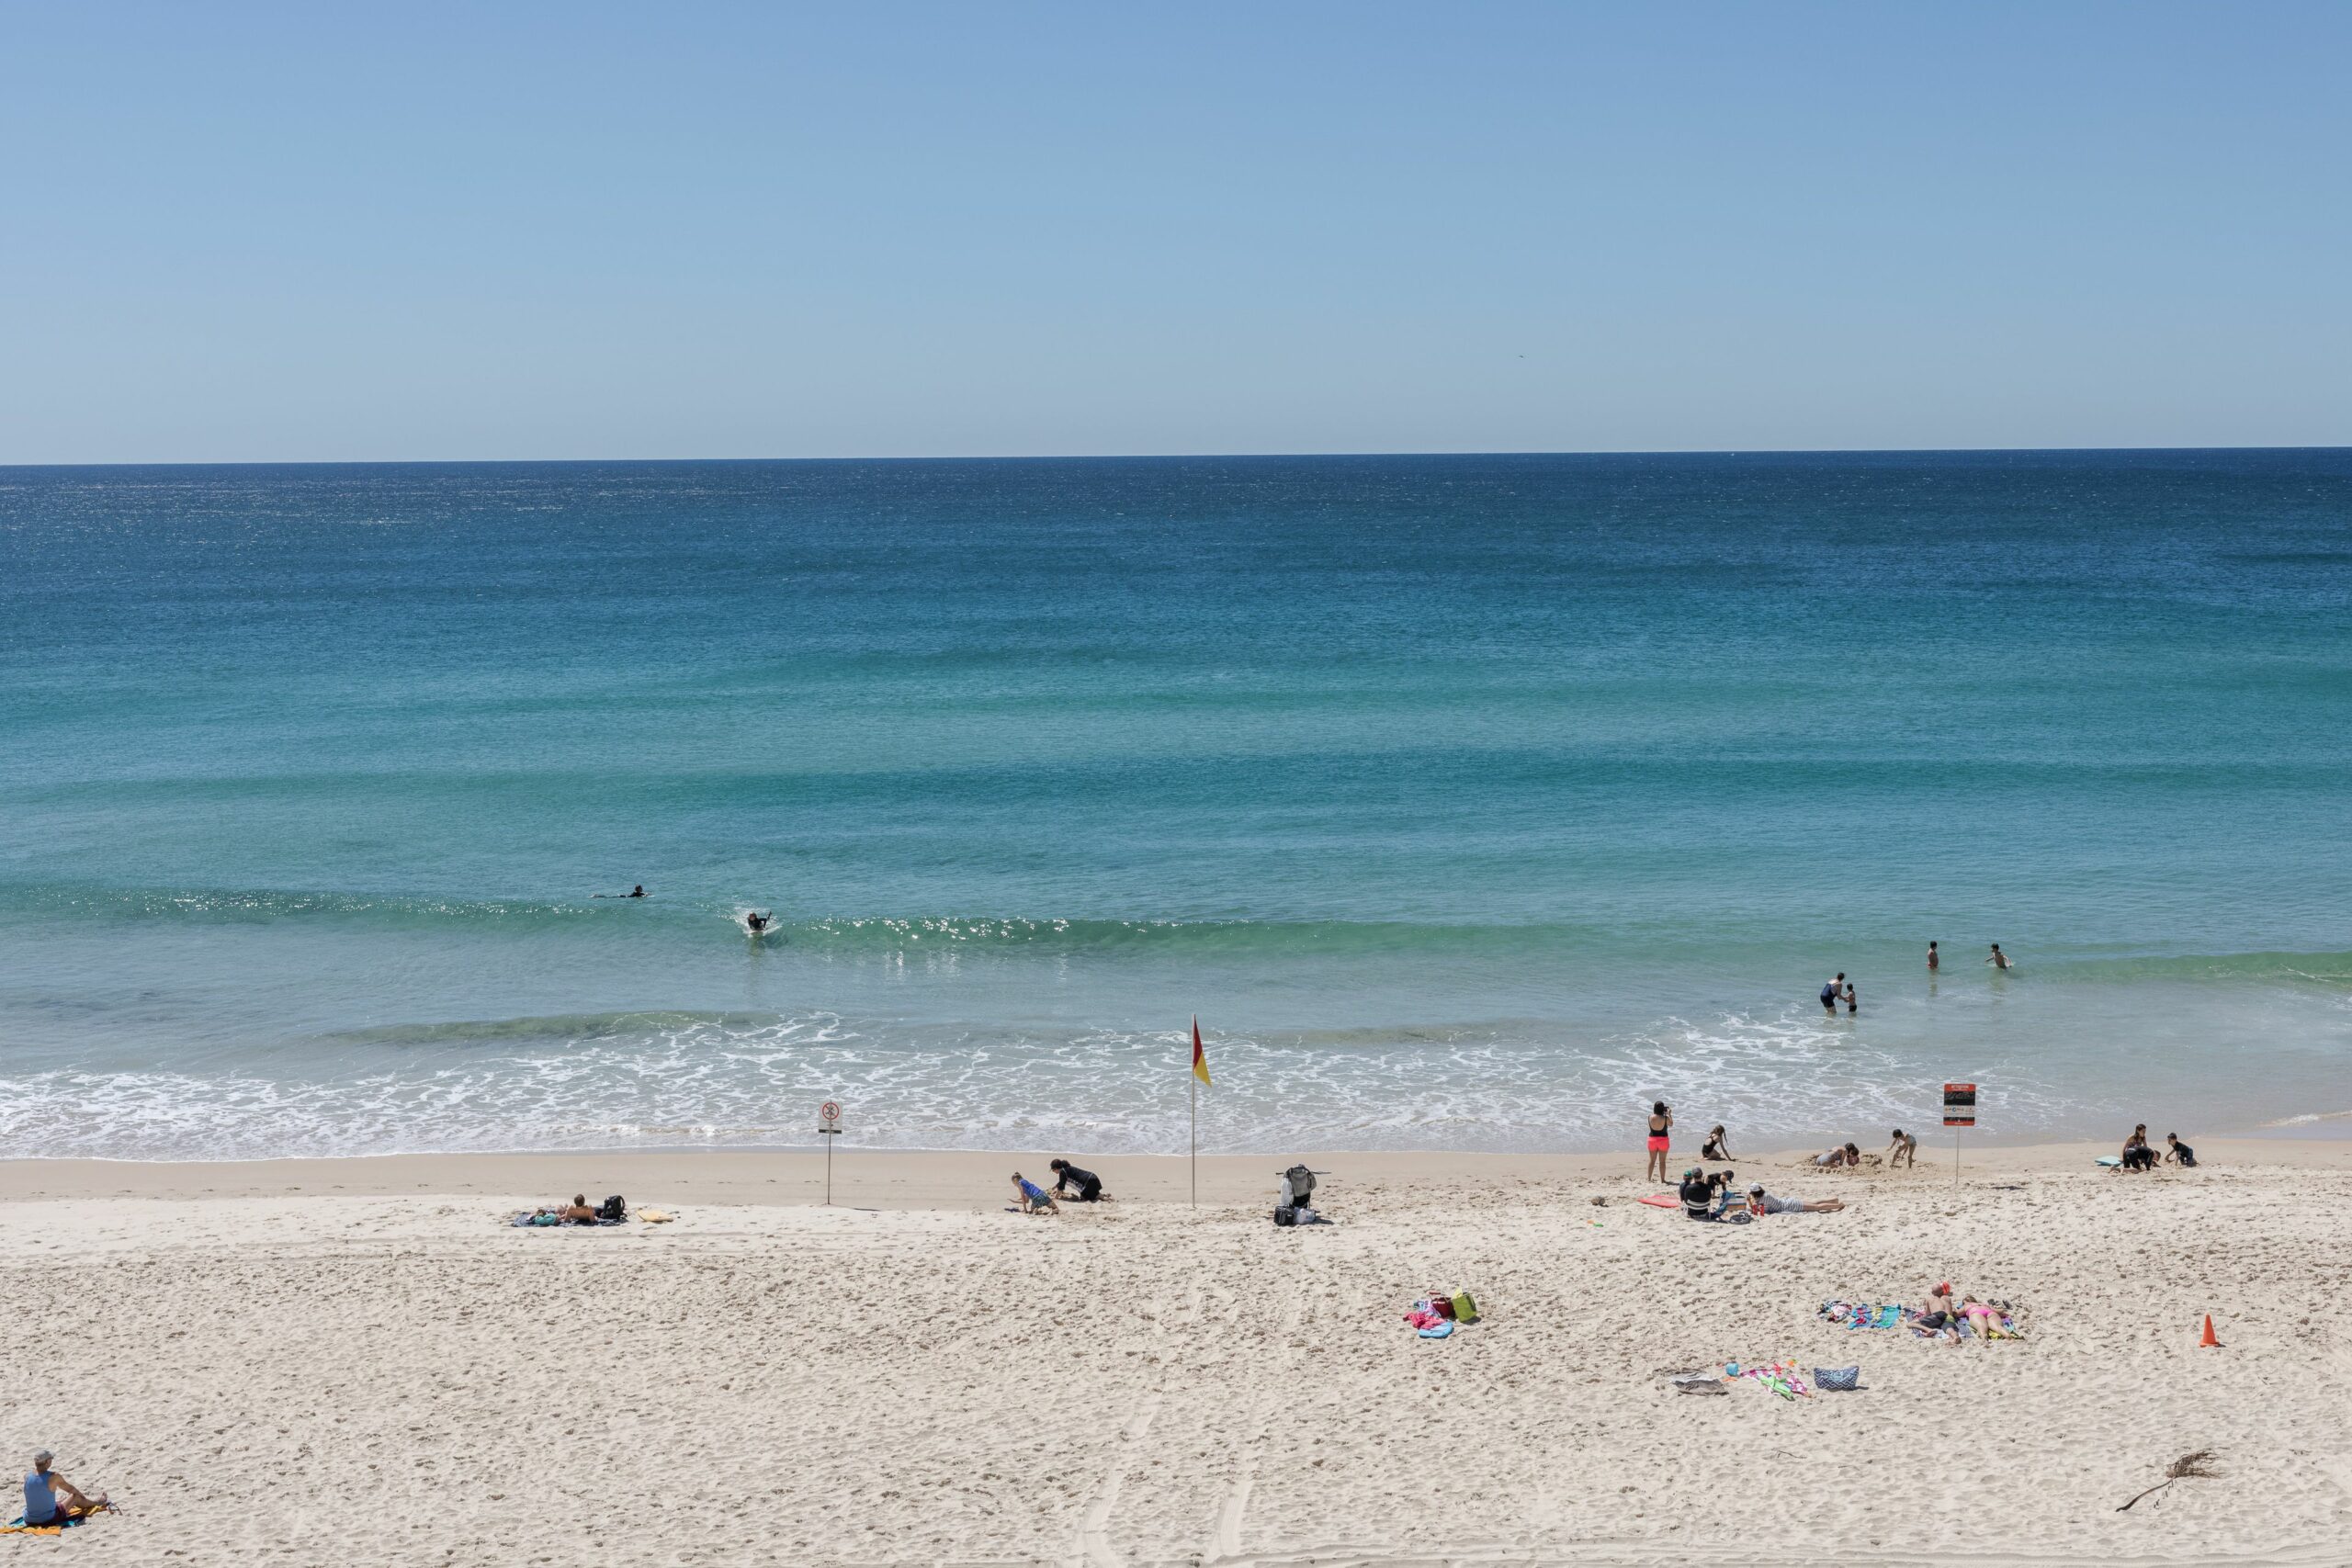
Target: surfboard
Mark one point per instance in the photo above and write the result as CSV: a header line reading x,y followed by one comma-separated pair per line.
x,y
1663,1200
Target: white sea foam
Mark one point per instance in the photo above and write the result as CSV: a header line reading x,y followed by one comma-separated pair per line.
x,y
745,1079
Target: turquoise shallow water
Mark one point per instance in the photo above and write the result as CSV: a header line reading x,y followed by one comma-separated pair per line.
x,y
1473,802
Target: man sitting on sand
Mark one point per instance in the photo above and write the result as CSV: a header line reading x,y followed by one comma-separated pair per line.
x,y
1705,1196
1034,1199
1083,1185
1761,1203
51,1499
1903,1150
579,1212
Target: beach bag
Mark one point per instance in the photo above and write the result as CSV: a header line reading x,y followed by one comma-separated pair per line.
x,y
1298,1186
1441,1305
1463,1309
1286,1215
1838,1380
613,1208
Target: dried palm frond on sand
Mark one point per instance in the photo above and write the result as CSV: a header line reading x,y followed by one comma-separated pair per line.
x,y
2198,1466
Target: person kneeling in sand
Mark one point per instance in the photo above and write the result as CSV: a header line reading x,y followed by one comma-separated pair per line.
x,y
51,1499
1083,1186
1763,1203
1034,1199
1831,1160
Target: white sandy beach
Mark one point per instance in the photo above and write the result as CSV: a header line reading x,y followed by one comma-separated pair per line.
x,y
353,1362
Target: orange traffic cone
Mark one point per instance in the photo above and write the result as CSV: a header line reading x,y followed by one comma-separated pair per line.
x,y
2209,1342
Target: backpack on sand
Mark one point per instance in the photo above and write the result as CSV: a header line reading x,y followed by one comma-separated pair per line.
x,y
613,1208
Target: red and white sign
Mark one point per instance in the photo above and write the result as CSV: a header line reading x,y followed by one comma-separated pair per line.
x,y
829,1116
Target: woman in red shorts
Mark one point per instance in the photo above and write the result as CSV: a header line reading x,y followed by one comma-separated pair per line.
x,y
1661,1119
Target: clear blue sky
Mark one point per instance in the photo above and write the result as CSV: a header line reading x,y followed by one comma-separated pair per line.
x,y
237,231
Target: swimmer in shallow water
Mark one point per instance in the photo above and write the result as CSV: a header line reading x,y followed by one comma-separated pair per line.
x,y
756,922
636,892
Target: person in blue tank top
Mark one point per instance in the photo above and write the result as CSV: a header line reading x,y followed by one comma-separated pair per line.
x,y
51,1499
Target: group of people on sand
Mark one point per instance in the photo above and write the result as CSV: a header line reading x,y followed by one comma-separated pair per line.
x,y
1716,1196
1078,1185
2139,1154
1939,1318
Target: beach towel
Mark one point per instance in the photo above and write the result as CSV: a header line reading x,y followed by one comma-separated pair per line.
x,y
17,1526
1780,1377
1442,1329
1862,1314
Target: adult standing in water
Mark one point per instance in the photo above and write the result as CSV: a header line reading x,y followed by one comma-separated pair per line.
x,y
1661,1125
1830,991
2000,960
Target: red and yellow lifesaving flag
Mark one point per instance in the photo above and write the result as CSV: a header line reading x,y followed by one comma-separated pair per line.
x,y
1200,1060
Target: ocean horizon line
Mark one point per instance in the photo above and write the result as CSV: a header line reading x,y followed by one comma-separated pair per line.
x,y
1173,457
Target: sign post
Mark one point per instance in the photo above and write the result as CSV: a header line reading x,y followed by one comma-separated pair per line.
x,y
1959,1110
829,1127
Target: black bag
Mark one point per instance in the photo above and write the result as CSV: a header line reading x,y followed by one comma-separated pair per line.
x,y
1285,1214
612,1209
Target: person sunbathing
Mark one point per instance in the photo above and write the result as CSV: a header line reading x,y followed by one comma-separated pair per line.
x,y
1763,1203
1034,1199
1989,1321
51,1499
1937,1319
579,1212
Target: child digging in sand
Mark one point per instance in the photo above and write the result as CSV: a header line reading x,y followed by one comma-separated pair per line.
x,y
1034,1199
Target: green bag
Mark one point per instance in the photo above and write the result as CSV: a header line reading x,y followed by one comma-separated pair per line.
x,y
1464,1309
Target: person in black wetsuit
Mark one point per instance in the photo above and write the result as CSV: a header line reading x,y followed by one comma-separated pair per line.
x,y
2179,1152
1071,1182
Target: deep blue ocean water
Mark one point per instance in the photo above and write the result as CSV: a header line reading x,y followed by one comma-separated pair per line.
x,y
1472,802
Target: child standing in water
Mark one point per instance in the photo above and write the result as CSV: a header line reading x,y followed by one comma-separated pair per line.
x,y
1934,962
